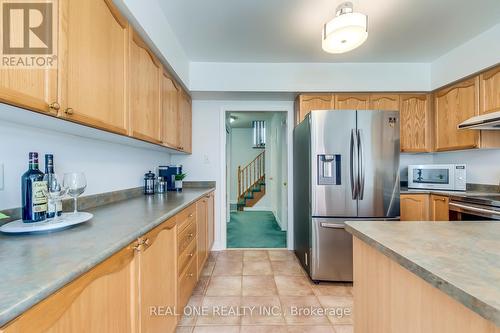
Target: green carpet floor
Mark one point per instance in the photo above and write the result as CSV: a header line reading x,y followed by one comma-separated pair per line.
x,y
254,229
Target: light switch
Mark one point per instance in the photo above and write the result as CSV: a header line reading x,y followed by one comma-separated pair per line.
x,y
206,160
1,177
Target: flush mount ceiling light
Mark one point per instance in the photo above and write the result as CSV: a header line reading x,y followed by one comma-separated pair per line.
x,y
346,31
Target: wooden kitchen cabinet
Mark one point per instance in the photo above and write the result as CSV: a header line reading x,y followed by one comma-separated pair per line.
x,y
453,105
489,91
156,269
185,122
145,91
210,221
93,64
101,300
352,101
386,102
439,210
202,231
170,112
305,103
414,207
416,123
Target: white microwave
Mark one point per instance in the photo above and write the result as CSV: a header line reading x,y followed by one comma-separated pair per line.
x,y
451,177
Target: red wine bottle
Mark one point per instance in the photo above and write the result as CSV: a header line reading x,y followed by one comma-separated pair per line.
x,y
34,200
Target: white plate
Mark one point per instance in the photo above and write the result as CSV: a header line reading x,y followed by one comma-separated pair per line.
x,y
66,220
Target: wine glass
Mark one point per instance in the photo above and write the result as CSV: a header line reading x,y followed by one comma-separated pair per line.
x,y
54,191
75,183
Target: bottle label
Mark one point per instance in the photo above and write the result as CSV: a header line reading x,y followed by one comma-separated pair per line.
x,y
39,199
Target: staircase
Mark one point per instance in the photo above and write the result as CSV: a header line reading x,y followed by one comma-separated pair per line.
x,y
251,182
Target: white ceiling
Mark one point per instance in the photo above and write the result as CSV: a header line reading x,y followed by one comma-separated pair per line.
x,y
290,30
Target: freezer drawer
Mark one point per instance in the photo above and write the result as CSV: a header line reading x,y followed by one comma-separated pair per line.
x,y
331,252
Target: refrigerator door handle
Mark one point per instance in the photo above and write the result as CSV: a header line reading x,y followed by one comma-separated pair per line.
x,y
361,174
353,168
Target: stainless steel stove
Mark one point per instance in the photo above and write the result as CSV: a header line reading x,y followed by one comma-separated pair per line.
x,y
481,207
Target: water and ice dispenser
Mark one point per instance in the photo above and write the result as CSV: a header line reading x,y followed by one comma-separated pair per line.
x,y
329,166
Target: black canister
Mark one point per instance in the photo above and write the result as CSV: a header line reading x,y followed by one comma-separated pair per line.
x,y
149,183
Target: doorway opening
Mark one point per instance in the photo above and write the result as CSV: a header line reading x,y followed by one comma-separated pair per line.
x,y
256,179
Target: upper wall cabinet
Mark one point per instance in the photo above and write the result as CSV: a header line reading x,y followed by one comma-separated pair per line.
x,y
305,103
386,102
185,122
489,87
170,112
416,123
145,92
352,101
93,73
452,106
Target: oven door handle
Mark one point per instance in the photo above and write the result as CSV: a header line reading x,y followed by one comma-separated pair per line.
x,y
474,209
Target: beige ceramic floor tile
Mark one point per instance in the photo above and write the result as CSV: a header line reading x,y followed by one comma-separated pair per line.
x,y
224,286
262,310
253,285
212,256
201,286
220,311
332,289
228,267
310,329
257,255
281,255
343,328
305,310
189,319
184,329
208,268
216,329
257,268
287,268
340,308
230,255
293,285
263,329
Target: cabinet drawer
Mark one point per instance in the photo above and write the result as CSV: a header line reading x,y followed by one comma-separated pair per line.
x,y
187,282
186,217
186,256
185,238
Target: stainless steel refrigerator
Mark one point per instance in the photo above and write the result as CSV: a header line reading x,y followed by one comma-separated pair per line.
x,y
346,167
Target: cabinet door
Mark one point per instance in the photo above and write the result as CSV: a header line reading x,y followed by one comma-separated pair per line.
x,y
414,207
454,105
145,71
352,101
185,122
202,231
305,103
158,275
439,208
101,300
416,126
211,221
489,100
94,71
170,112
386,102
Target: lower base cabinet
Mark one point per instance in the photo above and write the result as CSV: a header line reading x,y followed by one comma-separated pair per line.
x,y
138,289
424,207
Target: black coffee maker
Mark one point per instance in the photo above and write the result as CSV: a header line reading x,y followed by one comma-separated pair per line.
x,y
168,173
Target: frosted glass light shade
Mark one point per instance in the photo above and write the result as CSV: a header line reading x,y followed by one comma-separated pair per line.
x,y
344,33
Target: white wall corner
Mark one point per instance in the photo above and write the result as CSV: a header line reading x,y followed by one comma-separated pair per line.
x,y
478,53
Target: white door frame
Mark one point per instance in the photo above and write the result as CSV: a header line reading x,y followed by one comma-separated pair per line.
x,y
290,126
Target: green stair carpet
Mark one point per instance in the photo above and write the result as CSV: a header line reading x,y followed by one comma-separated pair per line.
x,y
254,229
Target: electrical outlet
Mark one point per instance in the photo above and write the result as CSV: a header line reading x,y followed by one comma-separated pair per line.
x,y
206,160
1,177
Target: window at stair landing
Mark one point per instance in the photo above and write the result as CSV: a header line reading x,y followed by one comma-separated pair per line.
x,y
259,133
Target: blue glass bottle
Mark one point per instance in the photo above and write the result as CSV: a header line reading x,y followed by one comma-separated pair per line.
x,y
34,200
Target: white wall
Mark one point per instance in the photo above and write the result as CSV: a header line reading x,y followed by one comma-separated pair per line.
x,y
210,76
208,159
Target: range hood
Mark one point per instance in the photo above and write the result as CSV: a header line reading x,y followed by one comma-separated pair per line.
x,y
489,121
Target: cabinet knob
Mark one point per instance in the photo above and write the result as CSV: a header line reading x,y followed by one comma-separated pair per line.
x,y
190,235
190,275
190,215
190,255
147,241
54,106
69,111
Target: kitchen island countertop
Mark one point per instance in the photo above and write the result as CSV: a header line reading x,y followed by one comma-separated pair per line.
x,y
462,259
35,266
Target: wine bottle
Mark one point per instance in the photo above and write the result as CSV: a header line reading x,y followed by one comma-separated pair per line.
x,y
34,200
54,207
